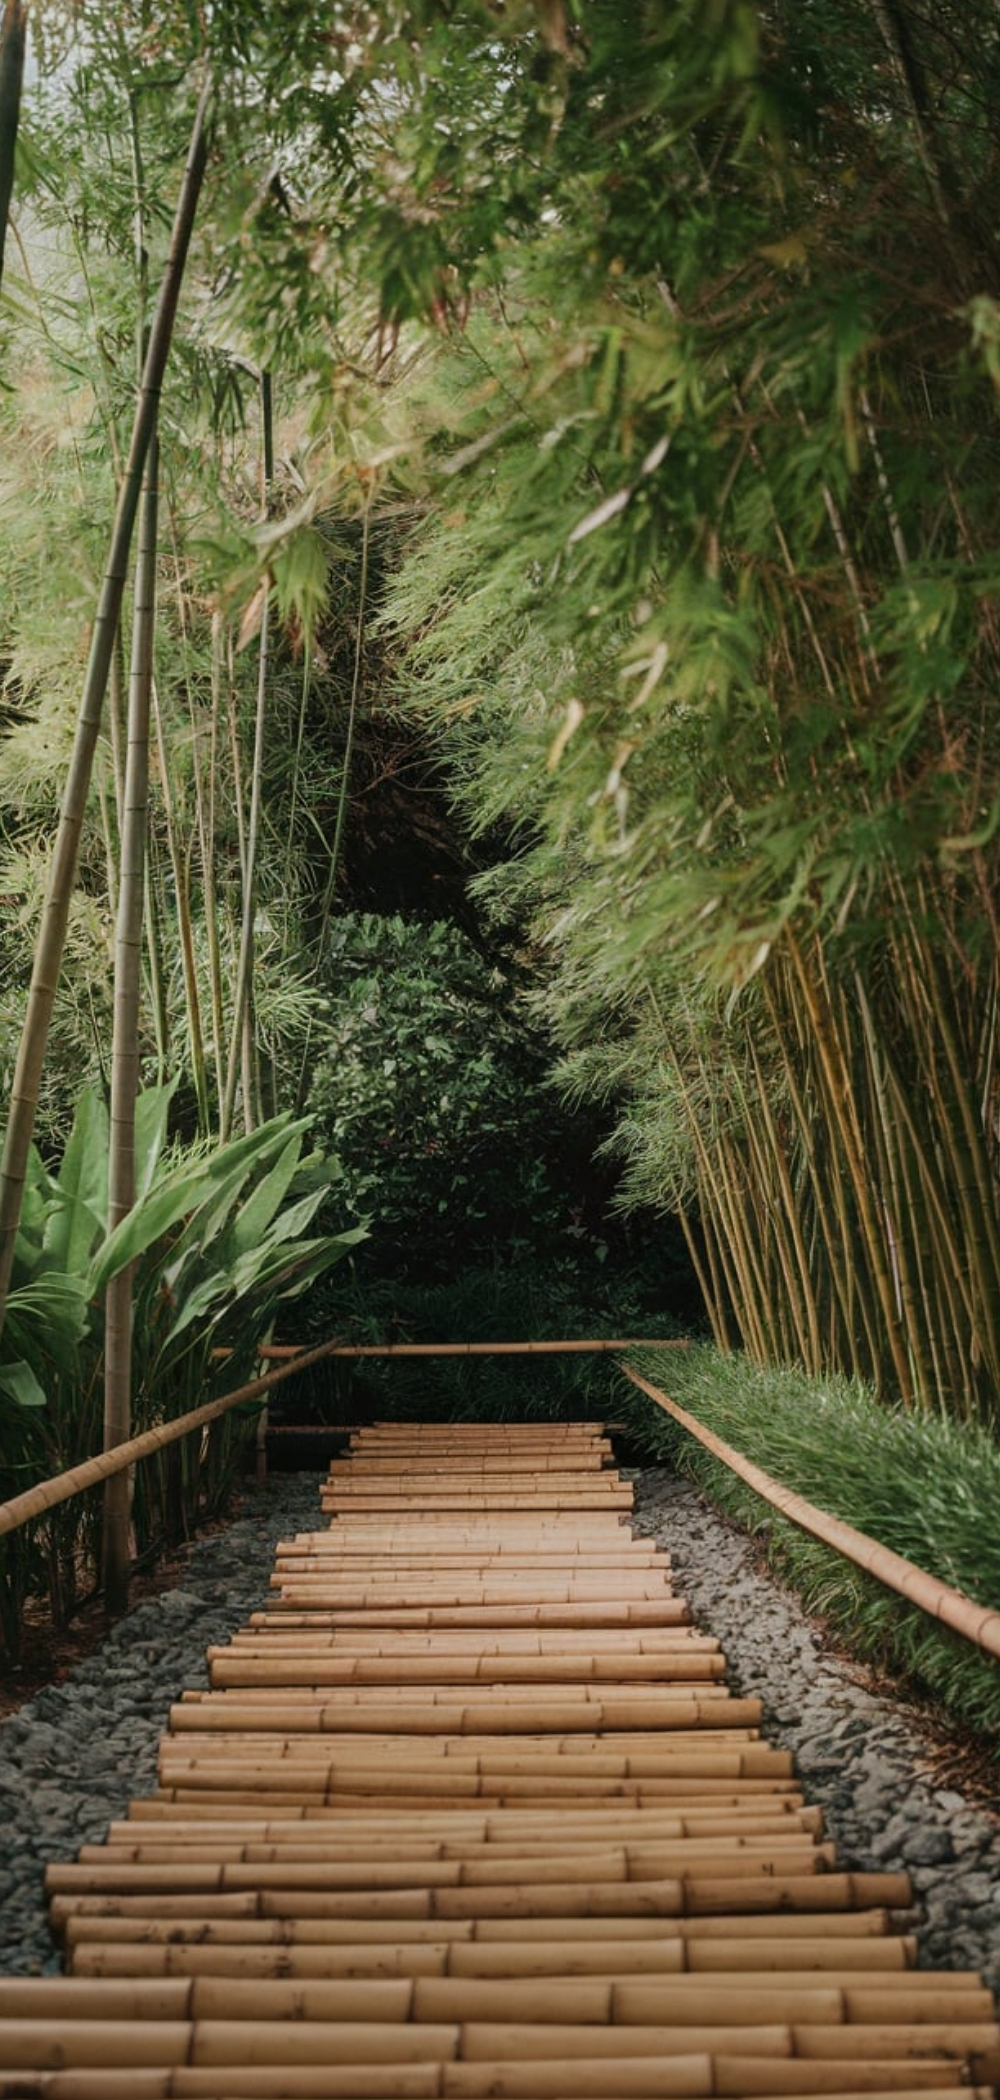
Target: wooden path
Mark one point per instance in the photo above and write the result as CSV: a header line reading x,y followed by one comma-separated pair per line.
x,y
469,1811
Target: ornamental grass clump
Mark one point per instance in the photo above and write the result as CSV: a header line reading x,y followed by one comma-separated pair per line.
x,y
920,1484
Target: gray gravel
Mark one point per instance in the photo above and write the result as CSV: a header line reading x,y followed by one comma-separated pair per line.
x,y
74,1757
864,1756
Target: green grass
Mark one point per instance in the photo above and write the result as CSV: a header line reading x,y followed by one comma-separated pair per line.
x,y
926,1487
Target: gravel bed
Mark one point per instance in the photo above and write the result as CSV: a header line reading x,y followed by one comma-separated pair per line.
x,y
863,1755
75,1755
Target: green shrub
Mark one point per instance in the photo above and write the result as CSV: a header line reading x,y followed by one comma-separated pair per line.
x,y
518,1299
430,1098
216,1241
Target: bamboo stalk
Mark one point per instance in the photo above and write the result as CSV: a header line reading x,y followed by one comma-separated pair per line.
x,y
52,935
568,1960
682,2078
180,863
815,993
314,1671
125,1041
13,25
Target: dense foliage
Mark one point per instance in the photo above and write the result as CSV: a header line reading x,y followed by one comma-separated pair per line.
x,y
429,1097
709,616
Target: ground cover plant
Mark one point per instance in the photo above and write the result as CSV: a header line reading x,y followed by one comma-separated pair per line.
x,y
924,1486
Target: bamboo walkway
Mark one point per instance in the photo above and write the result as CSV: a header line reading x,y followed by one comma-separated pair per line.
x,y
469,1811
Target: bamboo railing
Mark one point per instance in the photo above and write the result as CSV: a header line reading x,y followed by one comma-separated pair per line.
x,y
977,1623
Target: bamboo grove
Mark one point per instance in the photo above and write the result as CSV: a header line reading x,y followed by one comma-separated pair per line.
x,y
735,419
611,396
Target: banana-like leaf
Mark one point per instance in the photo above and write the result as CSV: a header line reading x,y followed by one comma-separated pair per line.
x,y
55,1304
152,1110
36,1202
255,1215
19,1383
177,1195
263,1268
80,1215
259,1277
290,1224
230,1168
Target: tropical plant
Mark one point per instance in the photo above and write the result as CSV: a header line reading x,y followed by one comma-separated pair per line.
x,y
217,1240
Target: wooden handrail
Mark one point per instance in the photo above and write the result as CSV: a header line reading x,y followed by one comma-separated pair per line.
x,y
975,1622
475,1348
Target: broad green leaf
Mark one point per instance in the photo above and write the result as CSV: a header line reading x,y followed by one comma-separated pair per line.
x,y
290,1224
229,1168
152,1112
56,1303
254,1216
82,1212
18,1381
147,1222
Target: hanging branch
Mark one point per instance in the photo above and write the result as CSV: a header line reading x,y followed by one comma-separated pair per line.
x,y
62,876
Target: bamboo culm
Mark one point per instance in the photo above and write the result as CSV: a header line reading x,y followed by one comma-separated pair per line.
x,y
62,876
125,1042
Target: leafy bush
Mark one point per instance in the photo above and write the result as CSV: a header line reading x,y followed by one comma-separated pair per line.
x,y
430,1097
923,1485
518,1299
217,1240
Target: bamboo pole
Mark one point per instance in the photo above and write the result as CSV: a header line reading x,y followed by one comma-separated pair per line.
x,y
125,1039
443,1431
755,1963
52,935
13,26
975,1622
671,2003
240,1055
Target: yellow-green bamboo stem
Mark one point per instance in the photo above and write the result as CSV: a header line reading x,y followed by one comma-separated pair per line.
x,y
62,878
815,993
125,1040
